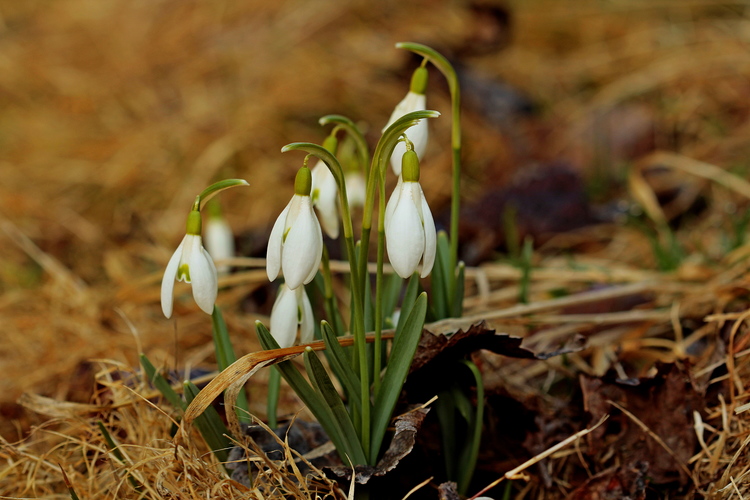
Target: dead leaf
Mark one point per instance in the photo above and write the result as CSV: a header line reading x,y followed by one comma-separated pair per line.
x,y
401,445
663,403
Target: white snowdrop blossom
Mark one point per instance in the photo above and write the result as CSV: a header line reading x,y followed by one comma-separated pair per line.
x,y
325,198
415,100
295,246
292,309
410,234
192,264
356,188
219,240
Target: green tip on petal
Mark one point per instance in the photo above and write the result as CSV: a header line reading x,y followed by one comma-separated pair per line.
x,y
183,273
331,144
419,80
194,223
410,166
303,182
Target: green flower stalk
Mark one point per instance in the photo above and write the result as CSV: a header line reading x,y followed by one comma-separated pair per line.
x,y
445,67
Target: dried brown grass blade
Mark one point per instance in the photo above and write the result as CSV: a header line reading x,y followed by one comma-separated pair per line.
x,y
238,373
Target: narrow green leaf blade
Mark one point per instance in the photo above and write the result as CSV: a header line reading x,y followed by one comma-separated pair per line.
x,y
303,389
210,425
412,289
225,356
402,353
344,425
457,305
161,384
340,363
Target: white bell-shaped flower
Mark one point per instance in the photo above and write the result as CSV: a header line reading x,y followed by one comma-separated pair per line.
x,y
410,234
295,246
192,264
325,198
292,309
415,100
219,238
325,192
356,188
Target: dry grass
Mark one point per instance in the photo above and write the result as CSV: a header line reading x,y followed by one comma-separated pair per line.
x,y
116,113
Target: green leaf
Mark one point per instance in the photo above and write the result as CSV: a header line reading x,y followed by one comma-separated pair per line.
x,y
402,353
161,384
210,425
344,426
410,296
315,403
445,407
391,293
225,356
340,363
457,305
272,403
441,276
468,459
116,452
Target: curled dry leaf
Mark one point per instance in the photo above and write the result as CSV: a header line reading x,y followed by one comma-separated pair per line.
x,y
401,445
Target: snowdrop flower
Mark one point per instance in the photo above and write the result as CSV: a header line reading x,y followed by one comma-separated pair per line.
x,y
192,264
409,228
291,309
325,192
356,188
219,238
415,100
295,246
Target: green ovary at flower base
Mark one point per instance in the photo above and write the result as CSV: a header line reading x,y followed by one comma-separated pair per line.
x,y
192,264
295,246
292,309
409,227
415,100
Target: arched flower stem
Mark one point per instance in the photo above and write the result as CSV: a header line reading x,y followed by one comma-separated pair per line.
x,y
445,67
358,324
351,128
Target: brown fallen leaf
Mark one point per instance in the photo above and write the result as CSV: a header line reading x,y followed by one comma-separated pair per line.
x,y
401,445
655,426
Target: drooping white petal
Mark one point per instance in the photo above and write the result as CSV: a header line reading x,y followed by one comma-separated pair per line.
x,y
325,198
430,237
284,317
417,134
204,277
307,321
355,188
404,233
303,245
167,282
273,253
393,200
219,240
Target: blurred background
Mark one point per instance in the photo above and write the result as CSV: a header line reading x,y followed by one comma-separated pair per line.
x,y
114,115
